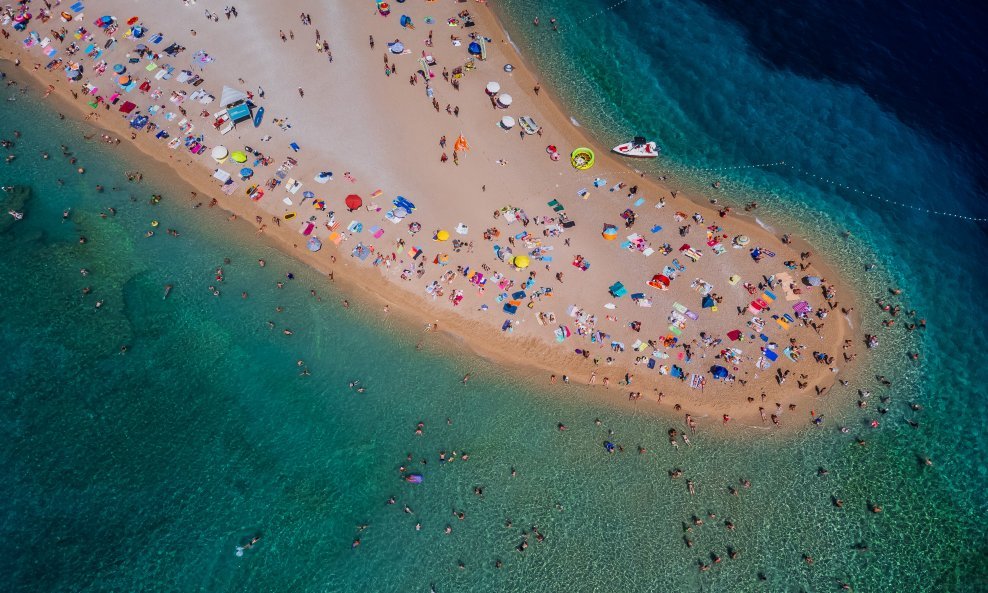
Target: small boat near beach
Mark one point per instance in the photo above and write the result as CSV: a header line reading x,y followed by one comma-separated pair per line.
x,y
528,125
638,148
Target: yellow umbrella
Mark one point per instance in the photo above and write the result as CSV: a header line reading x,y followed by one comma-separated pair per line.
x,y
238,156
521,262
442,236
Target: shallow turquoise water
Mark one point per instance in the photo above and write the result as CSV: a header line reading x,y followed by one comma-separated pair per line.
x,y
145,470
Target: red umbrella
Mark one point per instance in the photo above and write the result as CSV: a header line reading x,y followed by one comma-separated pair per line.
x,y
659,281
353,202
132,20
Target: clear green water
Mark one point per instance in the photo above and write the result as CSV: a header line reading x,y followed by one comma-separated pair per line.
x,y
145,471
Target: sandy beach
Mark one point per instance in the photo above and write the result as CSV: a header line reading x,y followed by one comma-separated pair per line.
x,y
495,261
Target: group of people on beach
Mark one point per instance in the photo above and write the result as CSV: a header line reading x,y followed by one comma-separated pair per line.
x,y
545,228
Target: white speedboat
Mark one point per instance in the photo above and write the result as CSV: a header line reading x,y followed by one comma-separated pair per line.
x,y
638,148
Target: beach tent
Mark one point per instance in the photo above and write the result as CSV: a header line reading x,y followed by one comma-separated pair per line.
x,y
406,21
230,95
353,202
239,113
222,175
708,302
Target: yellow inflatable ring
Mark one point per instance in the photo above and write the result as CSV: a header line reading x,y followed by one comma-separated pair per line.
x,y
582,158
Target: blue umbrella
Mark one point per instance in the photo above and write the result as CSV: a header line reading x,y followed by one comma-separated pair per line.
x,y
119,68
246,172
308,194
719,372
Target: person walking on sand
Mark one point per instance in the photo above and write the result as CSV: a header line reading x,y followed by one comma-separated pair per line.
x,y
301,93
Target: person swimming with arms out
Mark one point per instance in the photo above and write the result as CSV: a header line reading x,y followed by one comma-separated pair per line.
x,y
249,545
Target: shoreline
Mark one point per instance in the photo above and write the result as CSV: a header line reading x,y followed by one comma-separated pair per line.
x,y
531,353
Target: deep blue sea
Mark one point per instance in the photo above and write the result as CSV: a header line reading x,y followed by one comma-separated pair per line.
x,y
144,470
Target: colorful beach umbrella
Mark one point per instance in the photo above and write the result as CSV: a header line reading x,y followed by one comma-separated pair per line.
x,y
610,232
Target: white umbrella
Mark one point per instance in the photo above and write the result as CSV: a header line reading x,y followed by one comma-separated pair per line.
x,y
504,100
507,122
220,153
493,88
